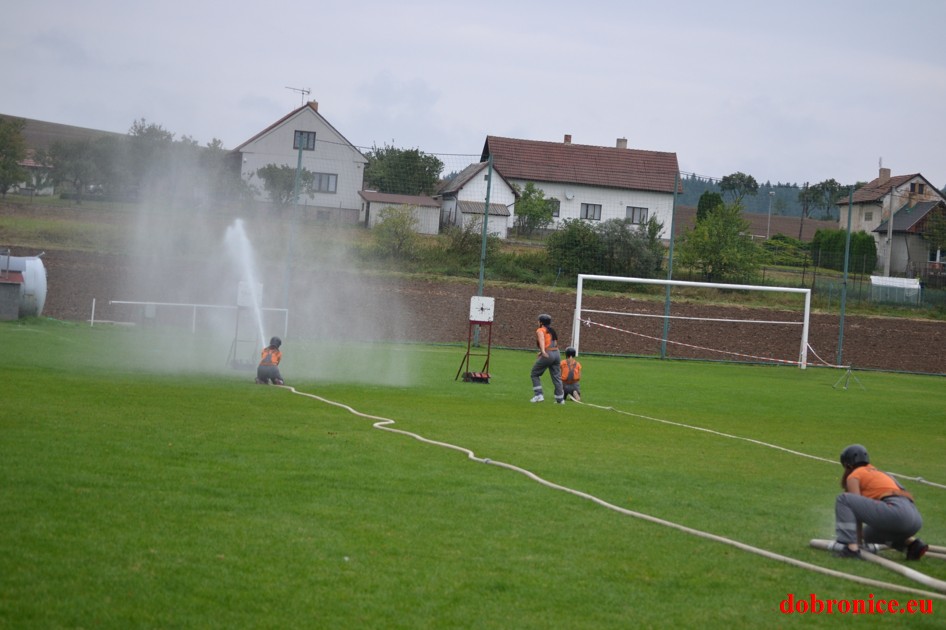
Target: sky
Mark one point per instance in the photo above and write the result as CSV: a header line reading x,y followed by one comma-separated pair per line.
x,y
788,92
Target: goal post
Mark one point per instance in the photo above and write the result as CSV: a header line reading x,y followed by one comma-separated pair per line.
x,y
577,320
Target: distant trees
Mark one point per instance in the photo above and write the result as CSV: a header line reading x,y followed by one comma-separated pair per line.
x,y
147,163
822,196
720,247
402,171
12,152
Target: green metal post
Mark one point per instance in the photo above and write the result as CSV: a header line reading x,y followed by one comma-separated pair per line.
x,y
847,254
673,216
292,232
479,291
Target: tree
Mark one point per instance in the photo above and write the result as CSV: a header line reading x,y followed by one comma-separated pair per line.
x,y
280,182
42,177
934,231
12,152
149,155
402,171
709,200
74,163
739,185
533,211
822,196
719,247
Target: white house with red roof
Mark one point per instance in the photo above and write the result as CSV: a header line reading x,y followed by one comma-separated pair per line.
x,y
912,200
591,182
338,166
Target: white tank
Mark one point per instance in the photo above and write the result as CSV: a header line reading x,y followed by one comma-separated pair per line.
x,y
33,289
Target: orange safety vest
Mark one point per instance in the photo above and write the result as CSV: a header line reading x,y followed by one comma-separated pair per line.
x,y
571,371
550,343
271,356
876,484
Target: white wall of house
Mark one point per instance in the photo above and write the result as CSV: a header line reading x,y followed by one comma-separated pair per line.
x,y
333,155
864,217
496,225
614,202
428,217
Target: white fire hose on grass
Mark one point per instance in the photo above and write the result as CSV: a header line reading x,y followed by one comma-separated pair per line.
x,y
384,425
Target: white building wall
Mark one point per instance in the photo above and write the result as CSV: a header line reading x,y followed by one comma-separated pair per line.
x,y
613,201
428,218
332,155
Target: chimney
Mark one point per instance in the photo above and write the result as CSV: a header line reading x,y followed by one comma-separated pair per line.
x,y
314,105
568,138
622,143
884,175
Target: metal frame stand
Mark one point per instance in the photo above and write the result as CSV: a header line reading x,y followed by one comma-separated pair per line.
x,y
846,377
483,375
232,360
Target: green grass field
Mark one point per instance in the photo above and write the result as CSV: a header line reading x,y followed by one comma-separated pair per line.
x,y
168,493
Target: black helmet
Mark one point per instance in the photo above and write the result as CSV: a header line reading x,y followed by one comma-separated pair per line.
x,y
570,352
854,455
545,319
275,342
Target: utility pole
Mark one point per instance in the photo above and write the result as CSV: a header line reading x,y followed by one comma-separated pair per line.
x,y
768,223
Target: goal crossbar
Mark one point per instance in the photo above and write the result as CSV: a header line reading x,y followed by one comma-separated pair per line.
x,y
576,322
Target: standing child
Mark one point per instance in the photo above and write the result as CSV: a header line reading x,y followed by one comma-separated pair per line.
x,y
571,375
268,370
548,359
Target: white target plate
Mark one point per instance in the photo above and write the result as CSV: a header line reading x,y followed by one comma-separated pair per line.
x,y
481,308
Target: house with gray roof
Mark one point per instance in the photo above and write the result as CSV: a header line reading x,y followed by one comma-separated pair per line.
x,y
912,200
463,199
589,182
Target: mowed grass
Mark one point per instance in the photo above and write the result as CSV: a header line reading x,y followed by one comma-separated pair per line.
x,y
136,498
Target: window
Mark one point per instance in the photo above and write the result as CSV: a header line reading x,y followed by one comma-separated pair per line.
x,y
917,188
305,139
637,215
324,182
868,216
591,211
555,205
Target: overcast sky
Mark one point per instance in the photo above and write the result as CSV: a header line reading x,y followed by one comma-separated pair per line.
x,y
786,92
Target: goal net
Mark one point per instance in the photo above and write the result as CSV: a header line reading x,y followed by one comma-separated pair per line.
x,y
688,329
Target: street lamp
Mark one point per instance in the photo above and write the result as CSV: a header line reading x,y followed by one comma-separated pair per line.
x,y
768,223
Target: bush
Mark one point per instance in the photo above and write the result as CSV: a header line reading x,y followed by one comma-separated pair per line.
x,y
395,235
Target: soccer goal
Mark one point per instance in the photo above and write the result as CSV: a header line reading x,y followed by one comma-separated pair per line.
x,y
736,336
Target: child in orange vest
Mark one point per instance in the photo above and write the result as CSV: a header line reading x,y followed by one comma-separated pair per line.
x,y
268,370
571,375
874,508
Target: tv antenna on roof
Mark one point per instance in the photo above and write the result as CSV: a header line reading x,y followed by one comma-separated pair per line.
x,y
303,92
